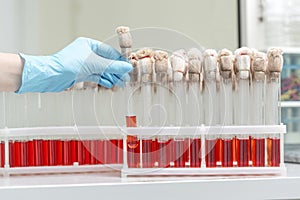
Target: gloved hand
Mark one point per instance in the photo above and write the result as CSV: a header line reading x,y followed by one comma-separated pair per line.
x,y
83,60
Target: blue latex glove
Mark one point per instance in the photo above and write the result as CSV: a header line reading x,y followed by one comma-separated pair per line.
x,y
83,60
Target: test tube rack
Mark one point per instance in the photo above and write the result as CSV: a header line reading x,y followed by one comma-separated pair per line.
x,y
159,150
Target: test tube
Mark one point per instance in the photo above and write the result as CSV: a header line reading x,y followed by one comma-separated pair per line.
x,y
38,151
59,160
257,107
52,152
274,68
210,100
243,62
133,148
2,153
45,152
100,151
195,103
179,66
73,151
226,109
66,152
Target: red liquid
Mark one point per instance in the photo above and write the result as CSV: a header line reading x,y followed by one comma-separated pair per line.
x,y
227,153
100,152
23,148
148,160
273,152
73,151
258,152
210,150
219,152
86,152
45,153
164,154
30,154
195,153
11,154
52,152
38,152
17,153
114,151
243,152
107,151
2,154
80,152
59,151
133,153
93,152
179,152
120,152
66,153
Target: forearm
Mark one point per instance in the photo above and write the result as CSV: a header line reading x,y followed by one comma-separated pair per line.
x,y
11,68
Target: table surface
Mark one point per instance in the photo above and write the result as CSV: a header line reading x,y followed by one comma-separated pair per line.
x,y
109,185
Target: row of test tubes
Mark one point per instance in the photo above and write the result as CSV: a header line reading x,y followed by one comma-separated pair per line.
x,y
187,152
57,152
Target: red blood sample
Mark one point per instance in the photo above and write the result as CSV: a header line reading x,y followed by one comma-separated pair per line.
x,y
30,153
59,152
86,152
219,151
17,153
114,151
242,151
2,154
11,154
178,151
227,153
164,154
210,150
23,148
66,153
147,153
107,151
80,148
45,153
273,152
52,152
38,152
195,152
93,151
133,147
120,152
100,152
258,152
73,151
186,154
234,147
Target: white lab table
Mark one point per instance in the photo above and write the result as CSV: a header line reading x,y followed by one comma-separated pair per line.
x,y
110,186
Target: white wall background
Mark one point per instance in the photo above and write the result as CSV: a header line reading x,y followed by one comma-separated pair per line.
x,y
45,26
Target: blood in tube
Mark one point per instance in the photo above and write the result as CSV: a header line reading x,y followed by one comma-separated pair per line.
x,y
30,153
114,151
45,153
133,147
2,154
52,152
258,152
59,152
11,154
234,149
195,152
107,151
73,151
273,149
80,152
86,152
147,153
227,153
38,152
93,151
243,152
164,155
219,152
66,153
100,152
186,155
210,150
17,153
178,151
120,152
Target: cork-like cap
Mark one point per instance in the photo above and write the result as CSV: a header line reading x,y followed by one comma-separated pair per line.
x,y
226,60
122,29
144,53
243,58
210,58
161,61
275,60
259,62
125,39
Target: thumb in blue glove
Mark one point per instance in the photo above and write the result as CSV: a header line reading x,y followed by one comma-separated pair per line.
x,y
83,60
